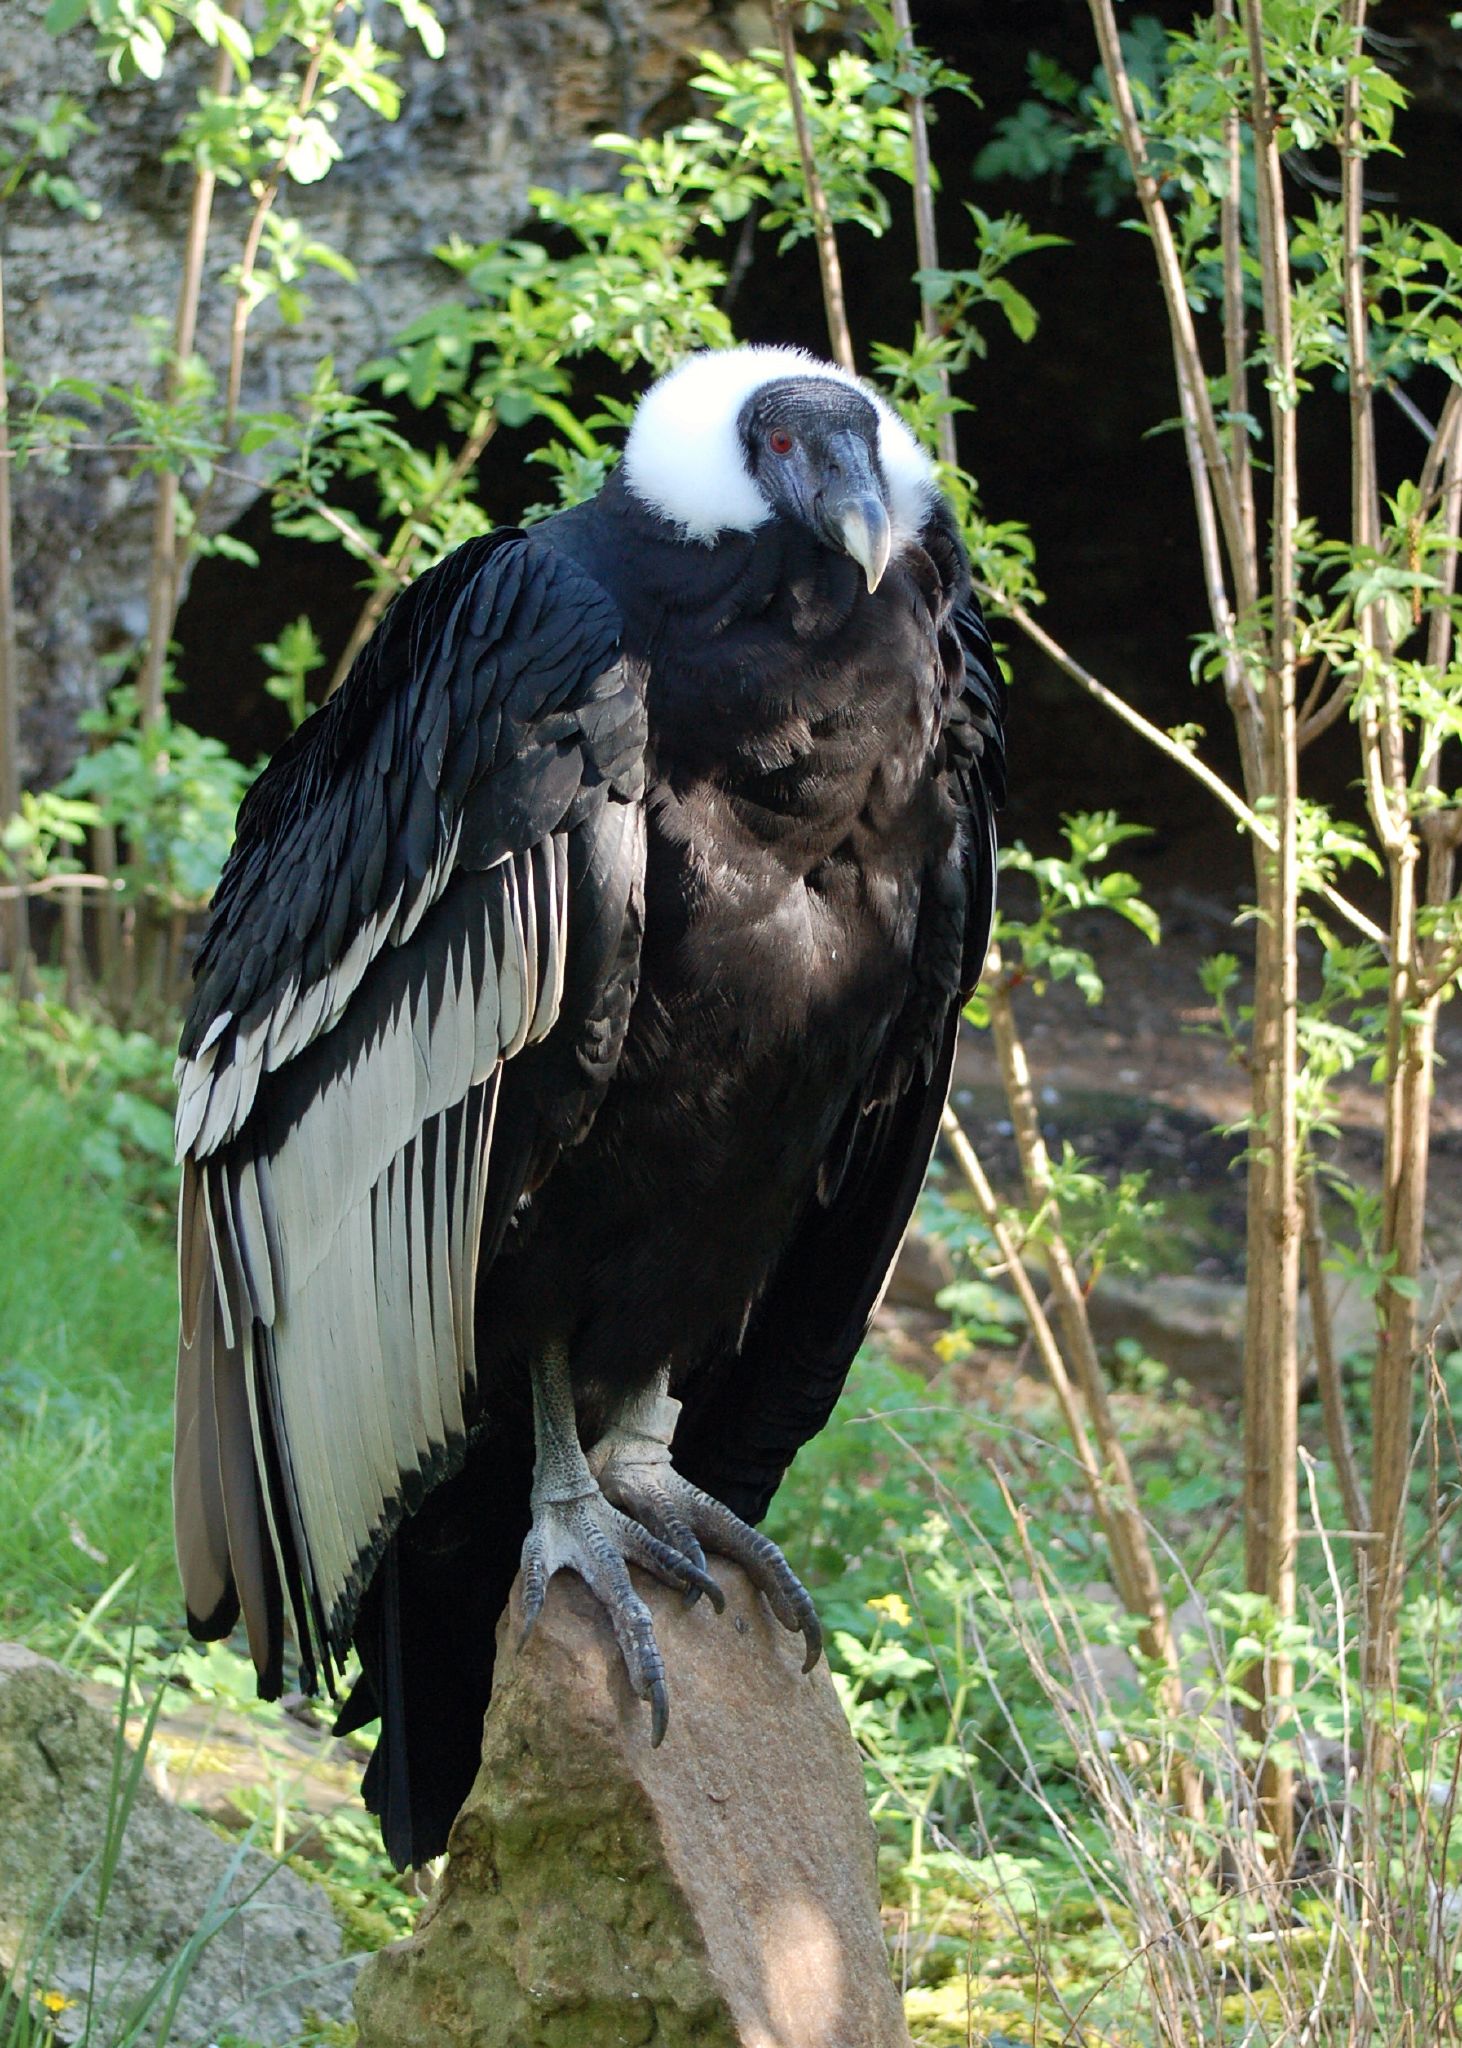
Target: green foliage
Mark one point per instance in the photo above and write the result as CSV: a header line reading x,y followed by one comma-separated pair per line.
x,y
41,142
171,791
1036,948
120,1087
858,124
43,836
88,1330
999,242
1107,1222
292,660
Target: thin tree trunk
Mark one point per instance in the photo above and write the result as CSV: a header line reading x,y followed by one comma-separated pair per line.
x,y
163,575
1410,1021
840,339
73,949
926,240
17,914
109,911
1272,1371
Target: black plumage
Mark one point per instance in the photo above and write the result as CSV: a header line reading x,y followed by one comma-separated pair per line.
x,y
583,986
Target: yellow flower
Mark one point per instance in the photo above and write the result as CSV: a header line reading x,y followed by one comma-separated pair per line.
x,y
894,1606
57,2001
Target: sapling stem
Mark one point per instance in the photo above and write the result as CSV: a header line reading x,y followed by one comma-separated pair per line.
x,y
1187,356
1271,1365
17,915
163,575
926,238
840,338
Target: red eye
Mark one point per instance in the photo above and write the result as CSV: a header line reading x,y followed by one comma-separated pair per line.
x,y
779,441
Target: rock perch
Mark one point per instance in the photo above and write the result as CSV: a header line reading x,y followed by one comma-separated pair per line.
x,y
719,1891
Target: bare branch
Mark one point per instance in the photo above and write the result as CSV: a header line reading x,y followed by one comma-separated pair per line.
x,y
354,539
1258,827
839,337
926,240
56,885
1188,359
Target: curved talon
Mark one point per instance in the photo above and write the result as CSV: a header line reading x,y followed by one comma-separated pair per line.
x,y
626,1504
650,1505
586,1534
646,1485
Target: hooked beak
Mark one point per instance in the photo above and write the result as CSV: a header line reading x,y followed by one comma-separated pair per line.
x,y
866,536
854,515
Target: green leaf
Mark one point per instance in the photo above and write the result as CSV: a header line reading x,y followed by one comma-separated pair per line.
x,y
419,16
62,15
146,49
312,153
234,550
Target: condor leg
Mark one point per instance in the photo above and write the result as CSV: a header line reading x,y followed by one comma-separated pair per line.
x,y
632,1464
576,1529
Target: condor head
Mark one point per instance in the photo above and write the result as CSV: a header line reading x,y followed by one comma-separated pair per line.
x,y
811,447
737,437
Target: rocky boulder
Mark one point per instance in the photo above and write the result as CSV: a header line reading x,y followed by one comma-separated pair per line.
x,y
93,1922
718,1892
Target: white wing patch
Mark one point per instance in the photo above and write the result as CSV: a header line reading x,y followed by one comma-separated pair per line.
x,y
328,1278
217,1086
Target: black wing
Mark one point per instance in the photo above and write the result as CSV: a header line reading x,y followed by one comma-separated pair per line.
x,y
443,867
738,1439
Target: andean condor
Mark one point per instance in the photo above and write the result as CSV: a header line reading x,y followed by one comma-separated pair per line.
x,y
568,1046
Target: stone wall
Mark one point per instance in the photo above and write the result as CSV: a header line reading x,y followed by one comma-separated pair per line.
x,y
523,88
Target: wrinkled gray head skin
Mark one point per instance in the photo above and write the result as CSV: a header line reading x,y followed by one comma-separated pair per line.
x,y
811,448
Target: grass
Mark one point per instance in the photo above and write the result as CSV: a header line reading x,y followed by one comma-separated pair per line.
x,y
88,1333
1040,1883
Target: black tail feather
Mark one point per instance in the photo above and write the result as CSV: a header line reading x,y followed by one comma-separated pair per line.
x,y
426,1634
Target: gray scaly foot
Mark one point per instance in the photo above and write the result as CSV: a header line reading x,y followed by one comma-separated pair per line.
x,y
632,1464
575,1528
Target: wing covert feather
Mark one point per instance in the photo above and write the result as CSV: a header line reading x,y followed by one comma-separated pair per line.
x,y
413,881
